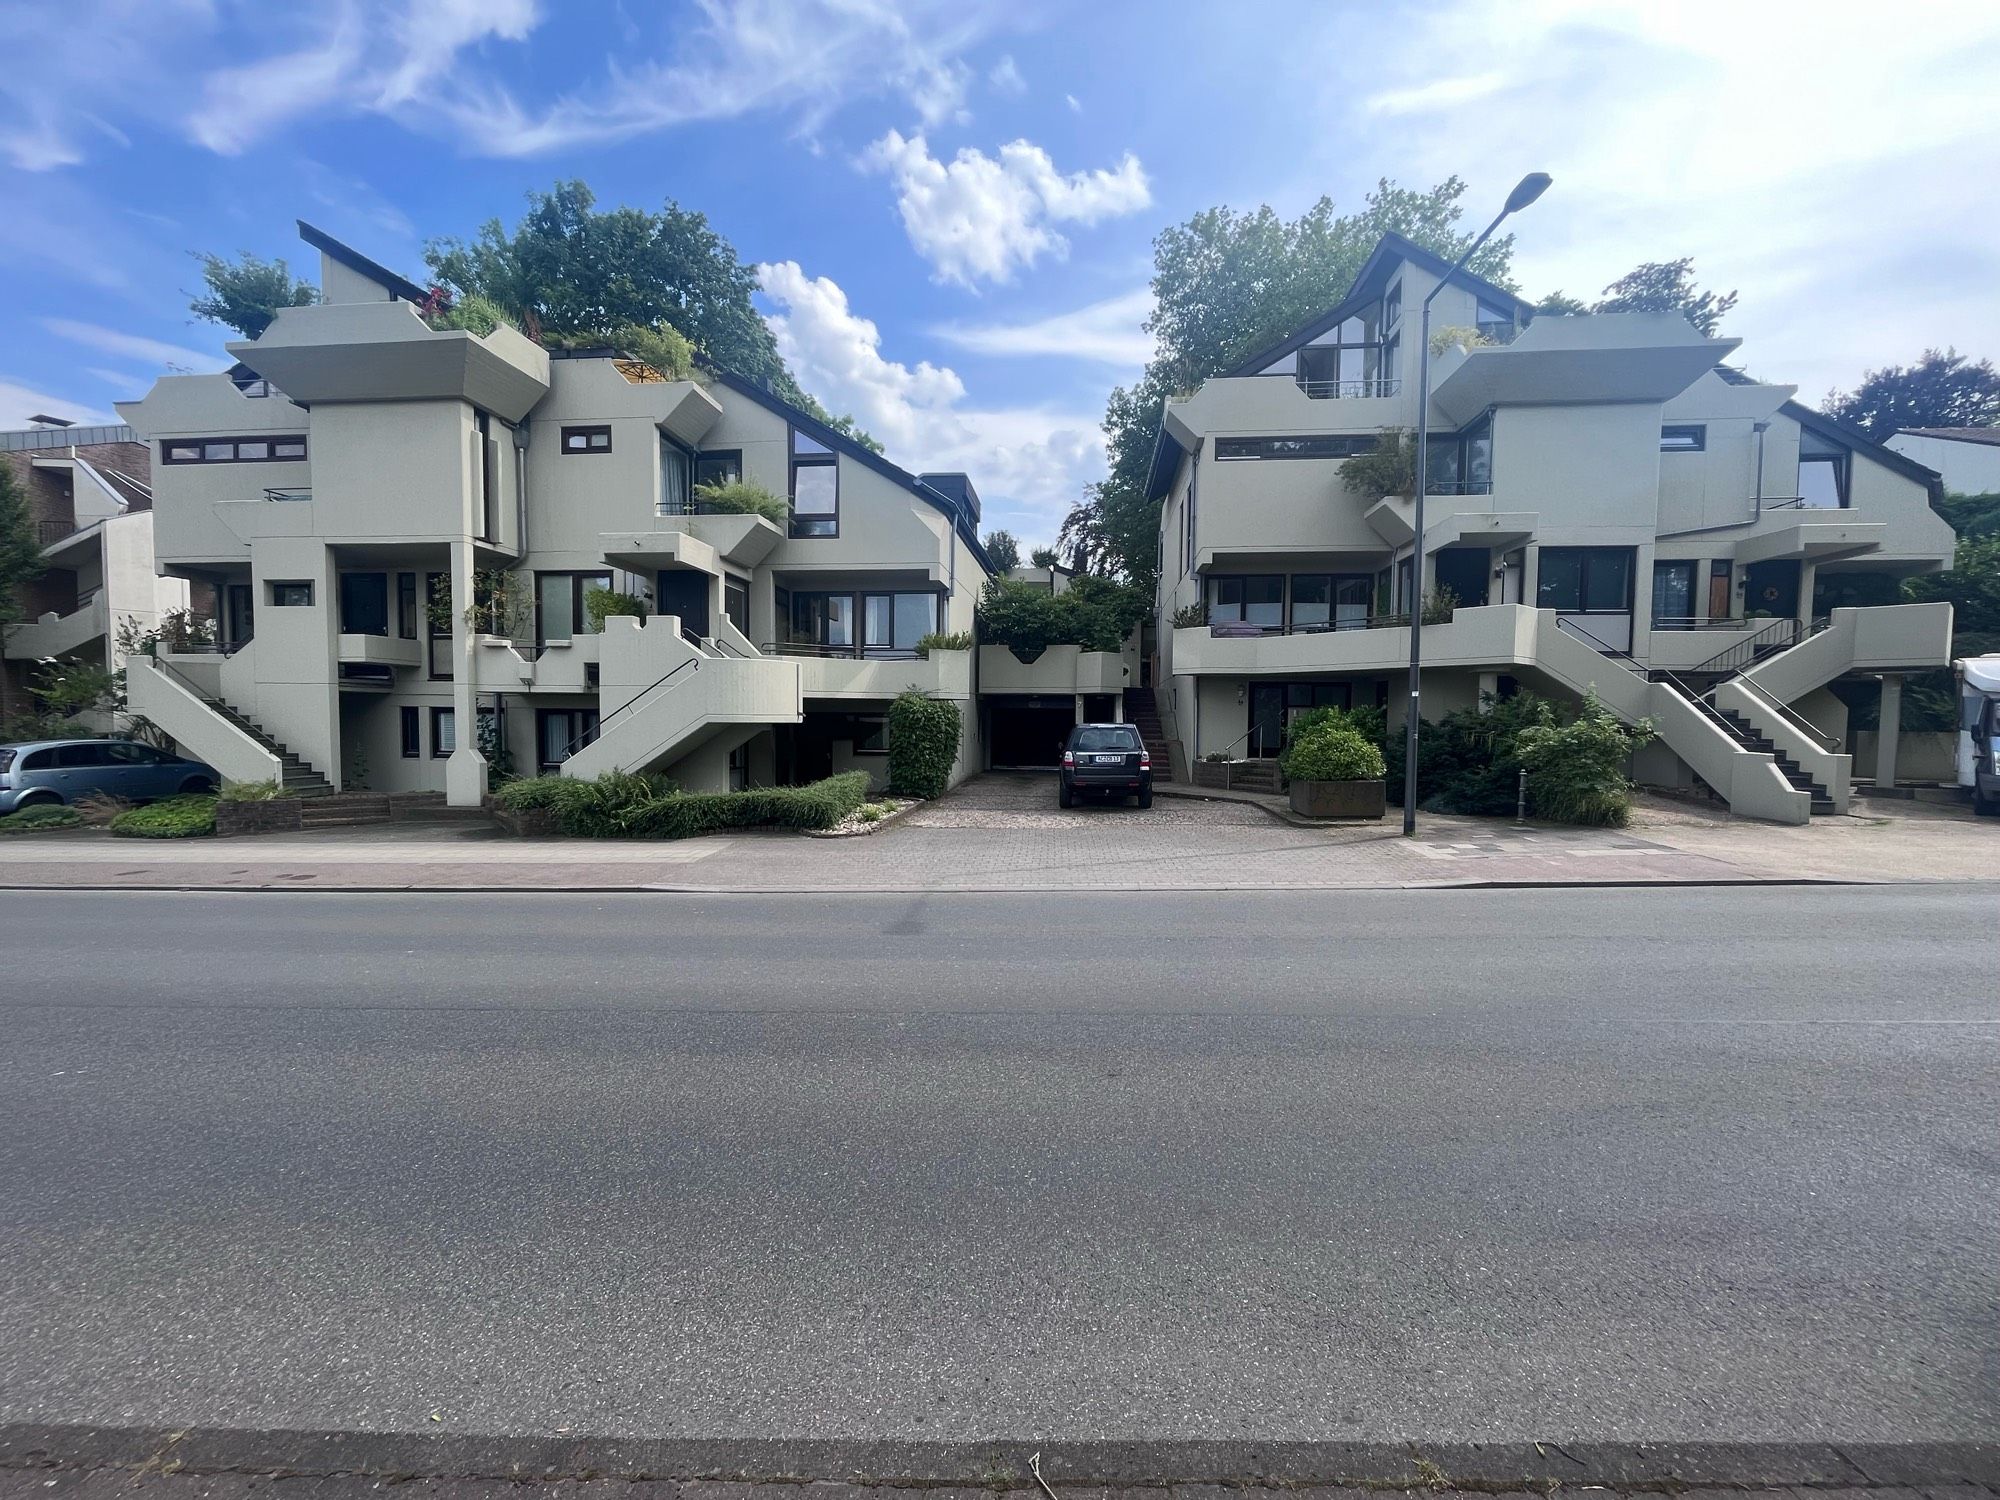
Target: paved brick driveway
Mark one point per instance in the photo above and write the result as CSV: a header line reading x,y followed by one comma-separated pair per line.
x,y
1027,799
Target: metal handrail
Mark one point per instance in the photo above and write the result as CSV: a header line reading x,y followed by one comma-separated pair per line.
x,y
1698,622
52,532
590,735
1458,487
1780,633
1798,721
288,494
1623,657
1330,390
1242,629
839,653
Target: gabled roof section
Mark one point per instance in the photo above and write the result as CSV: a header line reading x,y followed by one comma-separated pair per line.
x,y
1988,437
867,457
397,286
1167,456
1390,251
1860,442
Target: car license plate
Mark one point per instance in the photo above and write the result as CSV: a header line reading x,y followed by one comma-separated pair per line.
x,y
1110,760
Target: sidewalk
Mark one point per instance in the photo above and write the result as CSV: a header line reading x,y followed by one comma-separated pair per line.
x,y
1000,834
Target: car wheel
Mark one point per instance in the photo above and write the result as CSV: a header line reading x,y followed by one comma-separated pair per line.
x,y
1064,796
197,784
39,799
1146,797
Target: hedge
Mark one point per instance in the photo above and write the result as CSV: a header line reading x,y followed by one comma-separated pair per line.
x,y
923,745
176,818
1333,753
619,804
39,817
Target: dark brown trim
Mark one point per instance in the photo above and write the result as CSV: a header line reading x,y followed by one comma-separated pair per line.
x,y
586,432
271,440
410,726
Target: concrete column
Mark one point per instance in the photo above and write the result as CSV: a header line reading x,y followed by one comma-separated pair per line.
x,y
1808,572
1489,688
1118,706
465,771
1889,730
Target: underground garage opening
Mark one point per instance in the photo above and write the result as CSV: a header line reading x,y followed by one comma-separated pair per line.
x,y
1026,732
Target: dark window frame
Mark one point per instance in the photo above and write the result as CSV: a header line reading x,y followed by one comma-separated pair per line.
x,y
578,615
271,440
732,456
1254,449
865,744
274,587
1684,437
1843,478
813,459
1587,557
406,606
577,736
411,729
586,431
439,751
1209,591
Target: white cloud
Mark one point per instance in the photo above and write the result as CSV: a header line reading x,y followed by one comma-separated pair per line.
x,y
133,347
1005,77
980,217
1109,332
1075,104
938,91
1436,94
19,402
1030,463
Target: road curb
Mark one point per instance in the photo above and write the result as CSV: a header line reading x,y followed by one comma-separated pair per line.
x,y
1002,1465
657,888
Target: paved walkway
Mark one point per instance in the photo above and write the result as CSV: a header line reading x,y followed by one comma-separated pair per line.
x,y
1004,832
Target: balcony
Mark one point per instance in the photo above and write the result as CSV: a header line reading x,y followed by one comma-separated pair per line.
x,y
1059,669
372,650
693,538
558,667
1349,390
59,635
1498,635
875,672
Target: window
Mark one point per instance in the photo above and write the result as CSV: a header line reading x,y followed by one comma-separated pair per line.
x,y
560,611
406,606
825,620
871,734
1106,737
736,602
234,450
1258,601
586,439
560,733
91,754
1461,463
1585,580
1330,601
1343,361
444,732
676,492
38,760
1293,447
1392,307
1187,542
412,734
364,603
1685,438
1823,473
437,625
815,488
724,466
292,595
1495,324
1673,595
896,622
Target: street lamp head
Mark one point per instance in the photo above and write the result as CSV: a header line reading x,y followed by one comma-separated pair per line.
x,y
1527,190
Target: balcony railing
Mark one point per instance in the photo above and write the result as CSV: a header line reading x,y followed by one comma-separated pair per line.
x,y
1459,487
1349,390
1247,629
288,494
840,653
693,507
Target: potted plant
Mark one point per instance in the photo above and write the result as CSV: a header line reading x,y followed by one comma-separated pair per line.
x,y
1335,773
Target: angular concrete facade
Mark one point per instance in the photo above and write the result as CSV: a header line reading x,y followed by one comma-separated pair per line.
x,y
1608,503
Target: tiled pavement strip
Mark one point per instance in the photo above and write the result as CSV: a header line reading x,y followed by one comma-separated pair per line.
x,y
1005,833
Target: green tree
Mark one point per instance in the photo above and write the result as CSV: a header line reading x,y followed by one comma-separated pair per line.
x,y
1045,557
246,293
20,565
1224,284
1665,286
569,269
1943,389
1561,305
1002,551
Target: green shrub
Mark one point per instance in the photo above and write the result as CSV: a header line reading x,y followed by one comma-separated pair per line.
x,y
956,640
39,818
473,314
1188,616
1390,468
923,745
176,818
600,604
1365,720
1095,613
1333,753
254,791
741,498
1576,771
662,346
687,814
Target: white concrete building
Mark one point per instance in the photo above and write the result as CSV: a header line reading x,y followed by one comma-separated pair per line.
x,y
1967,458
1608,506
363,477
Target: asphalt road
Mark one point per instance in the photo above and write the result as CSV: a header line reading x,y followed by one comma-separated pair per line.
x,y
1601,1165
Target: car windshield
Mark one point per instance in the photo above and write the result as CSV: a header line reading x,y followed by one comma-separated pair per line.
x,y
1107,739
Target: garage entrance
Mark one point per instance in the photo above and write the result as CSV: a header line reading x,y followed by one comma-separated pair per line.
x,y
1028,732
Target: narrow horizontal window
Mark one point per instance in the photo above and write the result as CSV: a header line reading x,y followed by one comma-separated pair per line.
x,y
1683,439
290,447
586,439
1293,447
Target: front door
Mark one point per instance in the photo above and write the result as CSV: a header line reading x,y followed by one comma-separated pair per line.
x,y
1772,588
684,592
1267,719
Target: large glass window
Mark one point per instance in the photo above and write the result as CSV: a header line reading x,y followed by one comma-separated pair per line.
x,y
444,733
1495,323
736,602
1345,361
406,606
676,497
1823,473
1461,463
1673,595
560,733
815,488
1583,580
1253,600
724,466
1331,601
896,622
559,606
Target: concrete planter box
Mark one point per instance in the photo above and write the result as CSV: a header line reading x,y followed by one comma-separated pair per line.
x,y
1340,799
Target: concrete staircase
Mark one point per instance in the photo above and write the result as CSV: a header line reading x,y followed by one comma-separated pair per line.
x,y
1745,734
1144,713
299,777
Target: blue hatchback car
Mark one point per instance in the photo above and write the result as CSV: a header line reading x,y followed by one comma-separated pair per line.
x,y
55,772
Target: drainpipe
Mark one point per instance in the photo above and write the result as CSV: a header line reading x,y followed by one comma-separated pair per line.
x,y
521,485
1760,428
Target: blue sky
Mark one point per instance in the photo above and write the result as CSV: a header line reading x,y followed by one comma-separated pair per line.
x,y
953,203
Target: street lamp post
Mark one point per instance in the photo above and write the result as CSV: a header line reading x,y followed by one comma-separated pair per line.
x,y
1526,191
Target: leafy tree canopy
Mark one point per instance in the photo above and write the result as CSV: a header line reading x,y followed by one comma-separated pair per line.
x,y
1002,550
1224,284
1656,286
1943,389
246,293
569,269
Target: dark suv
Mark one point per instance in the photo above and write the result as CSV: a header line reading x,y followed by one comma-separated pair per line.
x,y
1108,760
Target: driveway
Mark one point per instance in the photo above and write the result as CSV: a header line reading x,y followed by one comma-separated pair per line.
x,y
1027,799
